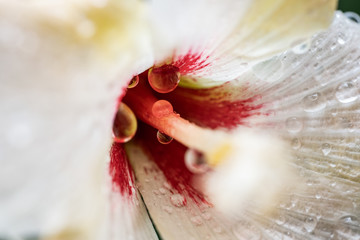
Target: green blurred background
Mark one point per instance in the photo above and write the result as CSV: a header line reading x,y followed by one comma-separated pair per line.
x,y
349,5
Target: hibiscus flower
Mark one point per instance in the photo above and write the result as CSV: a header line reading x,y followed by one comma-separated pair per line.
x,y
263,144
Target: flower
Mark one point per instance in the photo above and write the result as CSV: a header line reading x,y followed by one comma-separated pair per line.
x,y
69,64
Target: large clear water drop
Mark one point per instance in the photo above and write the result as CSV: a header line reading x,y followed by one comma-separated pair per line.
x,y
164,79
125,124
346,92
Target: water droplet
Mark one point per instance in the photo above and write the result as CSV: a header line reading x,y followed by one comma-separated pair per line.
x,y
163,138
348,228
167,209
350,219
346,92
125,124
164,79
293,125
301,48
195,161
162,190
134,82
162,108
310,224
280,220
178,200
313,102
197,220
326,148
353,16
206,215
341,38
295,143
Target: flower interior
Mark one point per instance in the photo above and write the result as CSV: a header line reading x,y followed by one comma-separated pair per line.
x,y
201,123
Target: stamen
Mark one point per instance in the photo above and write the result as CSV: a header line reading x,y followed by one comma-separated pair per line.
x,y
162,108
164,79
134,82
195,161
125,124
163,138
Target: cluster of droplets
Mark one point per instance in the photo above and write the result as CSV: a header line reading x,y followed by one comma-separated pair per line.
x,y
163,79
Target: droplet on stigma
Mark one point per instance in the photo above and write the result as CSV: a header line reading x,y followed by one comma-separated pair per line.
x,y
163,138
125,124
134,82
164,79
162,108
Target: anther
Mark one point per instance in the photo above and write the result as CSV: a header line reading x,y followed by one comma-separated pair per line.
x,y
125,124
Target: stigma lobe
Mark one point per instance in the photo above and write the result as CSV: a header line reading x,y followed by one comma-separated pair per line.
x,y
125,124
164,79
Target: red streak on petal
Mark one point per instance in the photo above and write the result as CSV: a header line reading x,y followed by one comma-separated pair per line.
x,y
170,160
212,107
191,63
120,171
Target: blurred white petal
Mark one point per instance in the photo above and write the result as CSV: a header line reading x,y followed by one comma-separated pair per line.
x,y
59,88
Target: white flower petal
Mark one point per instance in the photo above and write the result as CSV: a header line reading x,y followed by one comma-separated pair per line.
x,y
62,66
312,101
213,42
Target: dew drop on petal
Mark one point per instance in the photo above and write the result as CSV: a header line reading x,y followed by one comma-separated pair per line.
x,y
325,148
167,209
295,143
178,200
163,138
134,82
346,92
313,102
350,219
162,190
293,125
353,16
164,79
206,215
348,227
162,108
301,48
125,124
280,220
341,38
195,161
310,224
197,220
